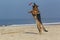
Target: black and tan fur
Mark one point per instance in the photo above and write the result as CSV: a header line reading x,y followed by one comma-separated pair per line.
x,y
36,15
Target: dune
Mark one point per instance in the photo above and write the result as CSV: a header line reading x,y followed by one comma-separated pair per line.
x,y
29,32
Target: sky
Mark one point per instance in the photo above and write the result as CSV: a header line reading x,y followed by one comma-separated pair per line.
x,y
17,9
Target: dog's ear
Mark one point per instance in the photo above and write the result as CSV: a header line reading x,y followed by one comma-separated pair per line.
x,y
35,5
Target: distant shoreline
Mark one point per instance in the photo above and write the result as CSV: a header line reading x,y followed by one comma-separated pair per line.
x,y
53,23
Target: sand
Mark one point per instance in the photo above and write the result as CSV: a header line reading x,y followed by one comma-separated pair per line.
x,y
29,32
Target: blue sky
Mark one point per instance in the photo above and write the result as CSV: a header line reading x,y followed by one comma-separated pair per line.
x,y
12,9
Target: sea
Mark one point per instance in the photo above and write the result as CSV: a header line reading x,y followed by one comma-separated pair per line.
x,y
28,21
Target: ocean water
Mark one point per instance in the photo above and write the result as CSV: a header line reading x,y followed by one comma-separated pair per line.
x,y
27,21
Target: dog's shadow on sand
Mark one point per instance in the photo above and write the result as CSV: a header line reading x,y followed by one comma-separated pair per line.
x,y
30,33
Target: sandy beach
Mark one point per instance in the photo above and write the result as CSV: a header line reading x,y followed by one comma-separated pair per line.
x,y
29,32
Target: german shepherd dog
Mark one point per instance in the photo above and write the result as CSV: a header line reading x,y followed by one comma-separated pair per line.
x,y
36,15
